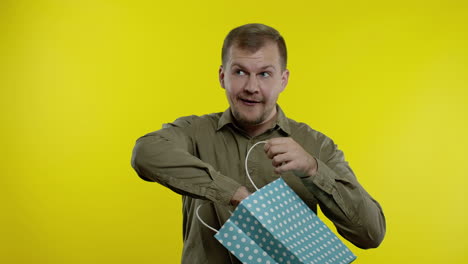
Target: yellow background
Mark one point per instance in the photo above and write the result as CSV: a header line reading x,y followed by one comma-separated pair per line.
x,y
82,80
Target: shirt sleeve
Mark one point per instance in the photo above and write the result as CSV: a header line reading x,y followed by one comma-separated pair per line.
x,y
167,156
356,215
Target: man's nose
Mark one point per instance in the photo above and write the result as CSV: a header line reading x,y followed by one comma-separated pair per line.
x,y
252,84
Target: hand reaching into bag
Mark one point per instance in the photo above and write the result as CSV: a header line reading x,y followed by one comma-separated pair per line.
x,y
239,195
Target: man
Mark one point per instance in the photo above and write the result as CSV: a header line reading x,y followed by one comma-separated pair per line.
x,y
202,157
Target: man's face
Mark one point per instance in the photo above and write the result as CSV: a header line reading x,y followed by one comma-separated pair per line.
x,y
253,82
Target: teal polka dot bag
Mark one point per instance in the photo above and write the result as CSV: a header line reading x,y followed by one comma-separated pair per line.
x,y
274,226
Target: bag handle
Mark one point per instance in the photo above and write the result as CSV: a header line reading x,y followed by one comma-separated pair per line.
x,y
248,176
203,222
247,158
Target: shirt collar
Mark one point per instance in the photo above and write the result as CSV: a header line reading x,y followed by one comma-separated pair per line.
x,y
281,120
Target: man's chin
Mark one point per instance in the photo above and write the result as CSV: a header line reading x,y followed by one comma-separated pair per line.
x,y
247,122
250,120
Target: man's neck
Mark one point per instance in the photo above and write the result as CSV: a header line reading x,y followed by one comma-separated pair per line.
x,y
255,130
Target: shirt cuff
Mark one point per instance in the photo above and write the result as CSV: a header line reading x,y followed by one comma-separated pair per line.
x,y
324,178
222,189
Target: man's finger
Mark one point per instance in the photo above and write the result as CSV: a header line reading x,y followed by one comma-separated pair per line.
x,y
287,166
278,140
275,150
280,159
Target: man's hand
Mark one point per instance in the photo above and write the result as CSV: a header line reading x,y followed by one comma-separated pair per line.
x,y
239,195
287,155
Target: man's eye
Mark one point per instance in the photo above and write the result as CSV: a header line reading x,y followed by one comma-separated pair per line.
x,y
240,72
265,74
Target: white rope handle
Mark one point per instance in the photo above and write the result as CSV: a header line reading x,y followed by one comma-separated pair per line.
x,y
248,176
203,222
247,158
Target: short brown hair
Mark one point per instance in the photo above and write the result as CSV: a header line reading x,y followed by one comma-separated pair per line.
x,y
253,37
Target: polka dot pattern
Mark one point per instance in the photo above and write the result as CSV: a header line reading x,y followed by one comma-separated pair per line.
x,y
273,225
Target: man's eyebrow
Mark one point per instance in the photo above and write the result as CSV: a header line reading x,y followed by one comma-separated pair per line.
x,y
238,65
261,68
268,66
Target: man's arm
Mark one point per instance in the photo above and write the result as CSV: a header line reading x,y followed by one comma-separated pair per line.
x,y
357,216
166,156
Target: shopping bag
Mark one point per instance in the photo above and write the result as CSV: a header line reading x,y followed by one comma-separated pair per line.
x,y
273,225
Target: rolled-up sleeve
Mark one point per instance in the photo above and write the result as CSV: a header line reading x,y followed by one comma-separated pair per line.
x,y
356,215
166,156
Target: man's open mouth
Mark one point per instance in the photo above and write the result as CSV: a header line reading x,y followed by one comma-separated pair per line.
x,y
249,102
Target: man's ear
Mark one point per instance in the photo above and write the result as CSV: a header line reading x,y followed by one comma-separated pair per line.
x,y
221,76
284,79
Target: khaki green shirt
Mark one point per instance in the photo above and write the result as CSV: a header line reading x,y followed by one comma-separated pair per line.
x,y
202,158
